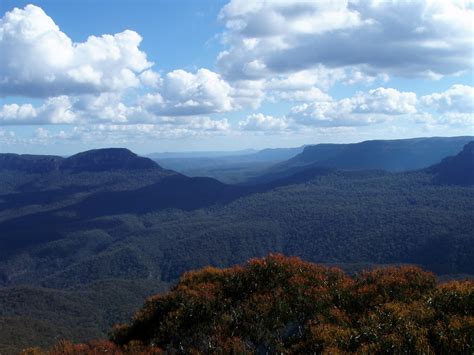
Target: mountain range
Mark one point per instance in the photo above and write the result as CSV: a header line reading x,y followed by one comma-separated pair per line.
x,y
388,155
109,217
270,164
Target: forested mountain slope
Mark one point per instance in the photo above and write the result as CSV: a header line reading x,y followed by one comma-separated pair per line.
x,y
323,215
75,228
456,170
40,316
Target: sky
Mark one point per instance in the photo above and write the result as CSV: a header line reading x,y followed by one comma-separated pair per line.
x,y
166,75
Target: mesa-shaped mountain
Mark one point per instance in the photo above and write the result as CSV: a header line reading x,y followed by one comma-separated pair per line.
x,y
456,170
389,155
106,160
92,160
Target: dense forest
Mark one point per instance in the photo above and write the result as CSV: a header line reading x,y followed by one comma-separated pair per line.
x,y
77,238
286,306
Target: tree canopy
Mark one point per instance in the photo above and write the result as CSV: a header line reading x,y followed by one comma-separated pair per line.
x,y
281,304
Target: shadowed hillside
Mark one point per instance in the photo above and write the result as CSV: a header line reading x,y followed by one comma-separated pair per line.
x,y
92,160
456,170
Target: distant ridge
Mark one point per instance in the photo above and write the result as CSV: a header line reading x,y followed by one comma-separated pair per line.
x,y
389,155
29,163
200,154
91,160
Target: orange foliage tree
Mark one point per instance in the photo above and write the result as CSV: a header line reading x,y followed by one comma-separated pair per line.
x,y
281,304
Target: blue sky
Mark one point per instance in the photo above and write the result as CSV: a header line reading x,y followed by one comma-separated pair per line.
x,y
219,75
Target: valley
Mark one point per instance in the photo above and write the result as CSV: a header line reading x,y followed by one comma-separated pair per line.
x,y
111,219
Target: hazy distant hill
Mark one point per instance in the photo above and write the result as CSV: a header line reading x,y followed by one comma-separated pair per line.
x,y
389,155
200,154
231,168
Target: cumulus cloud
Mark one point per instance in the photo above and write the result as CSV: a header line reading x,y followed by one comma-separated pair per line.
x,y
261,122
455,106
311,94
151,78
363,108
423,38
184,93
107,108
248,93
56,110
319,77
39,60
274,50
124,133
458,98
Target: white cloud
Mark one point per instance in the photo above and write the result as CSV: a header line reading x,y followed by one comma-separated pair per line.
x,y
7,137
117,133
184,93
458,119
55,110
385,101
319,77
248,93
261,122
39,60
272,18
458,98
107,108
275,50
363,108
151,78
355,76
423,38
454,106
312,94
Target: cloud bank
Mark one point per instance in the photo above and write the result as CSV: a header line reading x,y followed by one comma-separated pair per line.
x,y
421,38
297,55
